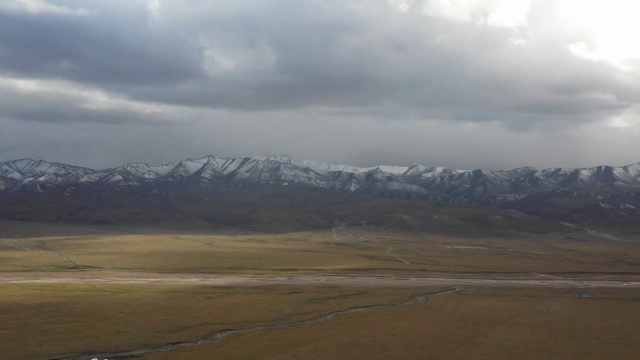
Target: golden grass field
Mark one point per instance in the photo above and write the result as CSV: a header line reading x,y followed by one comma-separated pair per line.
x,y
476,324
52,321
40,319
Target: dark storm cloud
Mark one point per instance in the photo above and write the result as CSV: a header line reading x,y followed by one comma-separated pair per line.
x,y
281,54
112,46
345,81
296,54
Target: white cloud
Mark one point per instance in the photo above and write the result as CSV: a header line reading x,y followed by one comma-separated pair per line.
x,y
220,57
401,5
508,13
38,7
602,30
154,8
629,120
74,96
500,13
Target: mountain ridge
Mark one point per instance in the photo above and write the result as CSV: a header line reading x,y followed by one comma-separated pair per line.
x,y
209,189
475,186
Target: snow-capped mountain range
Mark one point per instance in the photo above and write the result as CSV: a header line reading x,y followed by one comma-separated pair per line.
x,y
466,186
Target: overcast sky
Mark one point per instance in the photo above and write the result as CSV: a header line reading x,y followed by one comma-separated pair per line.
x,y
495,84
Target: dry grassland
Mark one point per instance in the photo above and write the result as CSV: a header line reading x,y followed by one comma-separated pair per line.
x,y
44,321
477,324
337,251
56,321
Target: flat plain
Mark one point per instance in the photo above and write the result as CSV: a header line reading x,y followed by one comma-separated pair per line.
x,y
76,291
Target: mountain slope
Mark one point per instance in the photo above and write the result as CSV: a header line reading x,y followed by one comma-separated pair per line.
x,y
602,193
38,175
468,186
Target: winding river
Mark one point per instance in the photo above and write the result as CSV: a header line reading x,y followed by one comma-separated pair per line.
x,y
223,334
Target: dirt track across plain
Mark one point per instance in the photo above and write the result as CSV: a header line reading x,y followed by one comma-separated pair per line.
x,y
329,280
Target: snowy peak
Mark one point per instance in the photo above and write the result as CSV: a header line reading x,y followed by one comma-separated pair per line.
x,y
29,170
394,170
322,167
479,186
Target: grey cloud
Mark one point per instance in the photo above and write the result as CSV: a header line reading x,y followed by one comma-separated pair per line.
x,y
92,145
342,81
351,140
332,55
277,55
110,46
56,102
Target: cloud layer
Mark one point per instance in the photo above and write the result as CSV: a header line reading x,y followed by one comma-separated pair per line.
x,y
488,83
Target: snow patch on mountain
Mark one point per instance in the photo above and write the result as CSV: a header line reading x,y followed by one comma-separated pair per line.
x,y
447,184
29,170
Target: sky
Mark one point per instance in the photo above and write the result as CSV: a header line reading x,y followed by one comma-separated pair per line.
x,y
466,84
